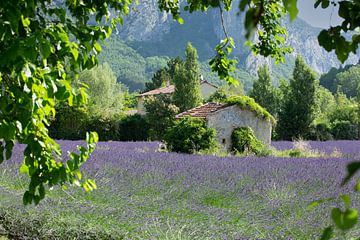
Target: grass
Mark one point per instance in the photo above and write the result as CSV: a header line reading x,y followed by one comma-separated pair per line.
x,y
158,196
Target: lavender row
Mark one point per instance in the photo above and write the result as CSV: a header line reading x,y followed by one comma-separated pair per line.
x,y
343,146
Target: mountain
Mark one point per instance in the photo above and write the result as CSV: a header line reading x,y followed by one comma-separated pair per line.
x,y
149,37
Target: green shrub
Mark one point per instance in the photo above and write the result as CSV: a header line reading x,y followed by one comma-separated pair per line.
x,y
69,123
244,141
190,135
320,132
344,130
134,128
160,115
107,127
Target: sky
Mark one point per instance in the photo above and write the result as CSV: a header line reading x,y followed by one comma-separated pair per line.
x,y
318,17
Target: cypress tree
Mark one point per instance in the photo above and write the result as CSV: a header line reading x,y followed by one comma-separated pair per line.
x,y
187,93
263,92
298,111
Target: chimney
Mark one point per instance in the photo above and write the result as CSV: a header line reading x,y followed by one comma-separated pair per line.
x,y
201,78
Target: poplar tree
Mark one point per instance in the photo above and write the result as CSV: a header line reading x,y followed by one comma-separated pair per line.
x,y
263,92
299,106
187,93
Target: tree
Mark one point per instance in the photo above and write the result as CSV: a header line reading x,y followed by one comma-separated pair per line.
x,y
349,80
298,111
160,77
190,135
263,91
324,104
105,95
39,39
160,115
164,75
187,93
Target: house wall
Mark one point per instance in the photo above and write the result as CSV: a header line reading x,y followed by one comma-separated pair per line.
x,y
207,90
140,106
226,120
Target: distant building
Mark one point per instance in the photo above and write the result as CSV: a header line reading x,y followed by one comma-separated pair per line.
x,y
207,89
224,118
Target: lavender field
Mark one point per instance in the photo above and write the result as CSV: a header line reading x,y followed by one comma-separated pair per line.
x,y
146,194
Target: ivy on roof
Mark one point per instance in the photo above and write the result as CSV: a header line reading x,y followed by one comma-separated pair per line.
x,y
248,103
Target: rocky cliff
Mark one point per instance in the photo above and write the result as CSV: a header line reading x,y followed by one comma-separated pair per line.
x,y
153,33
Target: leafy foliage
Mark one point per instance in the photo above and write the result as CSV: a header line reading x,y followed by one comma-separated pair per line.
x,y
344,130
333,38
105,95
248,103
264,93
190,135
164,75
160,114
297,114
69,122
134,128
244,140
40,41
187,93
349,80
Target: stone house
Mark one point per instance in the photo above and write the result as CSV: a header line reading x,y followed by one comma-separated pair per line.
x,y
207,89
225,117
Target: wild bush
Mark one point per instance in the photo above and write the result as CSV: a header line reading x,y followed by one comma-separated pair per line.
x,y
320,132
244,140
344,130
107,127
190,135
134,128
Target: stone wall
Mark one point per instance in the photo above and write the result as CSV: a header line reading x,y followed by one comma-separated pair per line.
x,y
207,90
140,106
227,119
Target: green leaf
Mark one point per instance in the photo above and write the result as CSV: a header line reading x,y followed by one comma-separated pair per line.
x,y
91,183
24,169
74,52
318,202
326,41
243,4
325,3
180,20
352,169
317,3
327,233
7,130
9,147
27,198
346,199
290,6
357,186
45,48
41,190
97,47
344,220
25,21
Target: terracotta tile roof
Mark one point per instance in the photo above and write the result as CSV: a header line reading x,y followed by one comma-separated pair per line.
x,y
168,89
163,90
202,111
